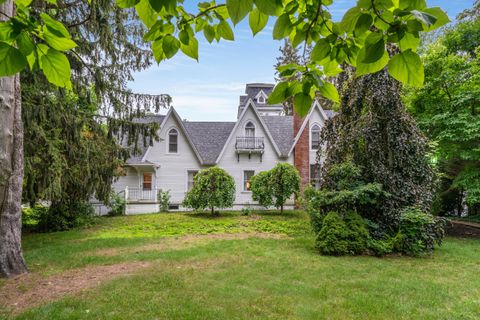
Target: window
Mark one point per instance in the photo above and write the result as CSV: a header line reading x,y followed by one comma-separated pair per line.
x,y
315,136
261,99
315,176
250,129
173,141
147,181
247,175
191,179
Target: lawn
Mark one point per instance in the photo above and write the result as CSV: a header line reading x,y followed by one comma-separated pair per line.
x,y
264,266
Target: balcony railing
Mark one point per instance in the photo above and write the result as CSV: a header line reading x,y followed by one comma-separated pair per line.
x,y
250,144
138,194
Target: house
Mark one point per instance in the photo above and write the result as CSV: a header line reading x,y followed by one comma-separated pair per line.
x,y
260,137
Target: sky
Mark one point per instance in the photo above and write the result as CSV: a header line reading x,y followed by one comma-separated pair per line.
x,y
209,90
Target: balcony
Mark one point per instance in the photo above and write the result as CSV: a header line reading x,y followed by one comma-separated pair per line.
x,y
249,145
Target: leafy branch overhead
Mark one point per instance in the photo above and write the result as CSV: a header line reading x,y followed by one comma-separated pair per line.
x,y
360,39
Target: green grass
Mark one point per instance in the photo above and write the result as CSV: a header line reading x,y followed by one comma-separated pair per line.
x,y
251,278
474,218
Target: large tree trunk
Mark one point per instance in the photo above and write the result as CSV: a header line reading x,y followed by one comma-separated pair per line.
x,y
11,170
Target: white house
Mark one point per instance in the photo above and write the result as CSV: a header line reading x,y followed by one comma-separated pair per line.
x,y
261,137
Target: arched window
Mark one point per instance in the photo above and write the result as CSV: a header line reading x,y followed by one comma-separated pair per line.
x,y
315,137
249,130
173,141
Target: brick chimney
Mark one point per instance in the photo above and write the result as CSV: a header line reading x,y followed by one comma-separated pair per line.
x,y
301,156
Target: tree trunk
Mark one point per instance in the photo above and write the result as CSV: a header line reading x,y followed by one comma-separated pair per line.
x,y
281,209
213,210
11,170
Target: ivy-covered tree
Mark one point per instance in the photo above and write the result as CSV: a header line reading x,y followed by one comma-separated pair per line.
x,y
275,186
374,131
212,188
33,39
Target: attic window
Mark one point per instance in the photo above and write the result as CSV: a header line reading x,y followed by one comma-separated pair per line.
x,y
261,99
173,141
249,130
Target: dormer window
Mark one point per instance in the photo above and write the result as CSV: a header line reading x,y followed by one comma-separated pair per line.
x,y
261,99
315,137
173,141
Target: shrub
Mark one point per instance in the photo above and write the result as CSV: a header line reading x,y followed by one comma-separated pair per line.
x,y
31,216
246,211
418,232
274,187
164,200
380,247
213,187
342,236
117,204
61,216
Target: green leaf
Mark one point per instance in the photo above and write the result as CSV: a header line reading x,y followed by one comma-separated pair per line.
x,y
7,32
282,28
363,24
409,41
269,7
11,60
157,49
238,9
374,48
168,5
191,49
127,3
321,50
55,66
329,91
278,94
24,3
54,26
184,37
302,103
170,46
407,67
349,19
25,43
57,43
225,31
146,13
257,21
209,33
440,15
424,17
366,68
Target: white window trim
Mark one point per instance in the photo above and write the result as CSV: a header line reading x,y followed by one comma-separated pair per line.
x,y
254,128
243,180
186,176
262,95
168,141
310,136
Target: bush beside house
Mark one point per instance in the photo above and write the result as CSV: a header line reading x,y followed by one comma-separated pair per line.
x,y
275,186
212,188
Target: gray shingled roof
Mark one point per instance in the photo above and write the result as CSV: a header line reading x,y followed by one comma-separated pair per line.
x,y
330,113
281,129
209,137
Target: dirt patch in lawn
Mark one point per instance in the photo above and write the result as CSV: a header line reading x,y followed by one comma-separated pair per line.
x,y
183,242
29,290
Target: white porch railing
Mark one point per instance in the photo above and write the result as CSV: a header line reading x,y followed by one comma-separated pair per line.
x,y
138,194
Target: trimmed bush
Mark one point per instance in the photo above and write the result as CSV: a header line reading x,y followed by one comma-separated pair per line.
x,y
418,232
342,236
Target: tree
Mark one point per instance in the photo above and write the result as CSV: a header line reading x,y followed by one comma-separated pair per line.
x,y
274,187
374,131
212,188
34,40
447,111
11,170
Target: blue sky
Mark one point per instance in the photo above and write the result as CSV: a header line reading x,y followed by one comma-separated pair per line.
x,y
209,89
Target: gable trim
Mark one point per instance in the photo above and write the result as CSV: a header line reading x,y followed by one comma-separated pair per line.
x,y
315,105
249,104
173,112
